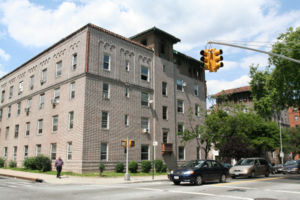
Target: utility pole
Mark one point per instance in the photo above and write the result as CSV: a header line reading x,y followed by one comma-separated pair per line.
x,y
127,176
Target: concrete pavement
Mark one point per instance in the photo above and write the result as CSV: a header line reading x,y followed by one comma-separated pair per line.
x,y
78,179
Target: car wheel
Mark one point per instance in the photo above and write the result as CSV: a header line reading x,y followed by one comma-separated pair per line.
x,y
198,180
267,174
223,178
176,182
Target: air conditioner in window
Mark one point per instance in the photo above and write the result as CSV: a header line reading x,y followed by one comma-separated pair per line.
x,y
184,84
150,101
145,130
54,101
105,96
42,81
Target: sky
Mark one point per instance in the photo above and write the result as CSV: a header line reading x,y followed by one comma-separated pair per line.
x,y
28,27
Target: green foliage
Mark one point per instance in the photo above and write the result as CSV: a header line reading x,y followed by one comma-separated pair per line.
x,y
291,140
12,164
158,165
133,166
29,163
101,167
119,168
2,161
164,168
42,163
146,166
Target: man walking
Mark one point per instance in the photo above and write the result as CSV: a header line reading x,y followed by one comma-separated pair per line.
x,y
58,164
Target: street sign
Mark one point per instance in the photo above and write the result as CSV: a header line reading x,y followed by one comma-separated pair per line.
x,y
155,143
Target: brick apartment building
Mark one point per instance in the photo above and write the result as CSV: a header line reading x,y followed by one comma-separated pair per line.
x,y
80,97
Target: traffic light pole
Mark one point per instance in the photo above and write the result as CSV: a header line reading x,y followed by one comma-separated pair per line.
x,y
127,176
257,50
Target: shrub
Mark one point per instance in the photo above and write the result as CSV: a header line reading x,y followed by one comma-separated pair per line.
x,y
43,163
101,168
145,166
119,167
12,164
164,168
29,163
2,161
133,166
158,165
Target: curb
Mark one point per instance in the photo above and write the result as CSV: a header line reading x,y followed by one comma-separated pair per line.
x,y
22,177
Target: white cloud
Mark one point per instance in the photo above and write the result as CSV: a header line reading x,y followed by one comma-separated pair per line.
x,y
257,59
4,55
215,86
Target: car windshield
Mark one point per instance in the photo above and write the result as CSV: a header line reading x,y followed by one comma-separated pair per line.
x,y
246,162
193,163
290,162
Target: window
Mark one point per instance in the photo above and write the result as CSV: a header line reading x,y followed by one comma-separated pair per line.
x,y
145,124
54,123
165,112
165,136
2,96
180,128
19,108
103,155
38,149
15,153
144,99
1,115
69,151
106,62
296,118
74,61
8,111
144,73
11,91
40,126
44,76
42,101
181,153
144,152
21,87
196,90
72,90
105,120
105,91
53,151
57,94
17,130
127,65
127,92
25,152
164,68
29,103
126,120
58,68
6,132
164,88
27,133
31,82
180,106
179,84
71,119
5,153
197,110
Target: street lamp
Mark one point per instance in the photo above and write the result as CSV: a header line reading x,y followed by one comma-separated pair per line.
x,y
279,121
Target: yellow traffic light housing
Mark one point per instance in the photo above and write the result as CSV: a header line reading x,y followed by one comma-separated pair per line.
x,y
206,58
131,143
216,58
124,143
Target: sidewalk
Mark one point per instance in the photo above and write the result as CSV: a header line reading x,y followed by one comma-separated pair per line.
x,y
76,179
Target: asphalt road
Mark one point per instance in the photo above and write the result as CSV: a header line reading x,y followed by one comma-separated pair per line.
x,y
274,187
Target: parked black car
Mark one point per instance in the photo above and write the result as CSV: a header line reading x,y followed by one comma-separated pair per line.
x,y
278,168
198,172
291,166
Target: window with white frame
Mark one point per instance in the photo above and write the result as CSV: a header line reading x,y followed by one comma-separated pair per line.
x,y
42,101
57,94
5,151
144,152
126,120
40,126
44,76
196,90
165,112
144,99
144,73
8,111
6,132
180,128
71,120
106,62
69,150
127,65
21,88
72,90
55,123
17,130
105,91
179,85
180,106
29,103
18,108
181,153
197,110
127,92
164,88
31,82
25,152
145,124
74,61
38,149
105,120
11,91
2,96
58,68
103,154
15,153
27,131
53,151
165,136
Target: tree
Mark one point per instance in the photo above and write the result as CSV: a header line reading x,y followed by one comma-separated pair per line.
x,y
291,140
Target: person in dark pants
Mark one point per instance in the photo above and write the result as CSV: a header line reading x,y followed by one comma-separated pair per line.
x,y
58,164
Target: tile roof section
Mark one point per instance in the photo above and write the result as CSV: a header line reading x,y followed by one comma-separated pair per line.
x,y
233,91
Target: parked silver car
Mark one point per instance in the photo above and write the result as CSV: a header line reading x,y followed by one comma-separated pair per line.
x,y
250,167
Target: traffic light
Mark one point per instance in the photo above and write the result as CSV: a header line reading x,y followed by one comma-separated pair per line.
x,y
131,143
124,143
216,58
206,58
